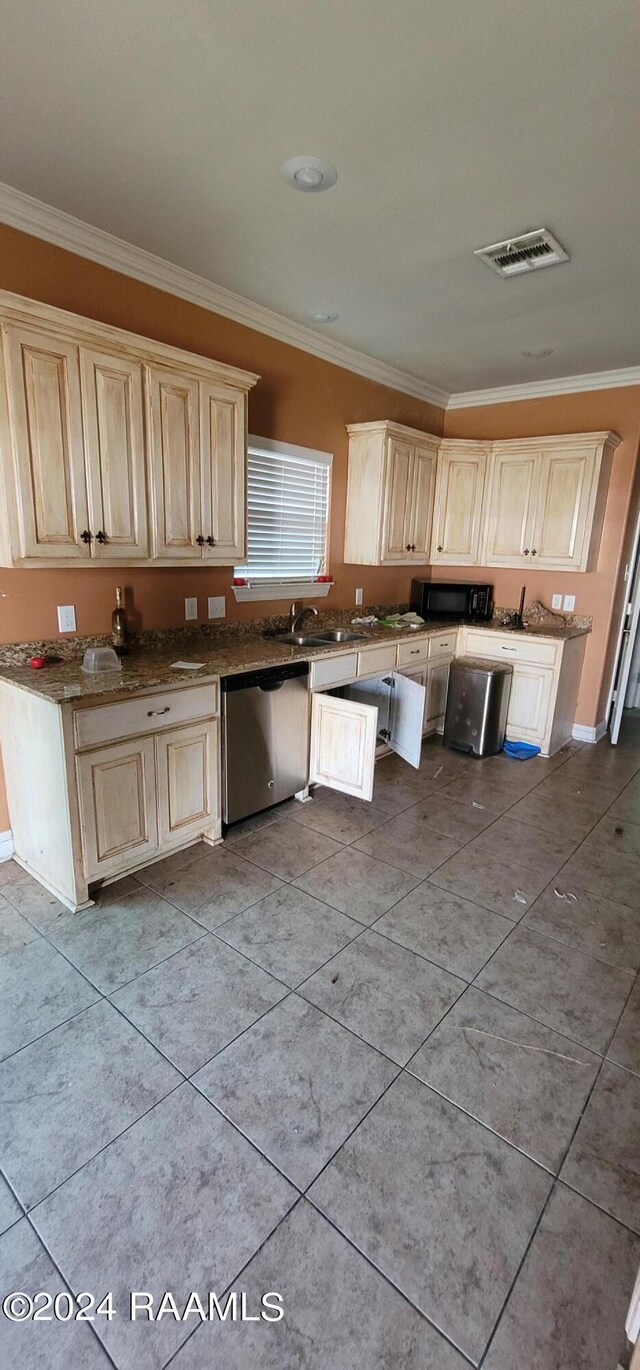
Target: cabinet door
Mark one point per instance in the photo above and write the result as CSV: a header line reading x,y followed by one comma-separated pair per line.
x,y
457,521
511,509
422,497
408,699
114,446
397,517
437,686
43,383
187,772
560,537
528,718
117,793
223,458
174,458
419,674
343,745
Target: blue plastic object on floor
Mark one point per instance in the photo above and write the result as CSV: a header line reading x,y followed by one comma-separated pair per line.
x,y
521,750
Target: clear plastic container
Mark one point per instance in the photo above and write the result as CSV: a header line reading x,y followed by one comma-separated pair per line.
x,y
99,659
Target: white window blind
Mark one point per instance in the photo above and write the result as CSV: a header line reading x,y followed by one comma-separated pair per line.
x,y
287,509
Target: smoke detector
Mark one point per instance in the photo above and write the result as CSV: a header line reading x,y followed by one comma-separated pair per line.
x,y
529,252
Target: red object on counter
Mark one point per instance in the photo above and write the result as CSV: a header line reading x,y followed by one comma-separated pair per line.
x,y
37,662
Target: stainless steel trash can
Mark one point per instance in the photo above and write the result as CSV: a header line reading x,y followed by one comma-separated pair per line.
x,y
477,703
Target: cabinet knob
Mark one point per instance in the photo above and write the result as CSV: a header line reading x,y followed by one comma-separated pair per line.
x,y
526,551
534,553
211,542
100,536
200,540
408,548
86,536
439,546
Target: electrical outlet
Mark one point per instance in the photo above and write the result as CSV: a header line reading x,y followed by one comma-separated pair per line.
x,y
569,604
191,608
556,601
359,594
66,618
216,607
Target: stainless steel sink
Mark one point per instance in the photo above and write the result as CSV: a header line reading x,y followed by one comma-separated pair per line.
x,y
339,635
300,639
319,639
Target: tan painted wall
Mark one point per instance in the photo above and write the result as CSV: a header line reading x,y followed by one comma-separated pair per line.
x,y
599,592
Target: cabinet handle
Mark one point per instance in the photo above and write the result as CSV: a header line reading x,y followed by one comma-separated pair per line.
x,y
415,651
526,551
200,540
413,546
408,547
534,553
211,542
86,536
509,649
439,548
101,537
166,710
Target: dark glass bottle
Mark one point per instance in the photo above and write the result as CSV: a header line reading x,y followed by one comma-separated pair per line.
x,y
119,628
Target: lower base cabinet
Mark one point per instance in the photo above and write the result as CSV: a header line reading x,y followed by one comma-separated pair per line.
x,y
346,730
117,798
187,780
529,703
544,684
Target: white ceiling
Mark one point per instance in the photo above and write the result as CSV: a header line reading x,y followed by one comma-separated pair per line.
x,y
453,124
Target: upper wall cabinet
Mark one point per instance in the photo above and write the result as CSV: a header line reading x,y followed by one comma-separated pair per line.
x,y
390,495
530,501
114,448
546,499
460,487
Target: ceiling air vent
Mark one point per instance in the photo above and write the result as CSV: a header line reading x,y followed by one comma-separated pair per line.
x,y
529,252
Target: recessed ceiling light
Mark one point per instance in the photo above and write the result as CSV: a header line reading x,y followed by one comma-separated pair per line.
x,y
319,316
309,173
539,352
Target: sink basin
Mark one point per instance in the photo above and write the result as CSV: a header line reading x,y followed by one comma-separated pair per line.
x,y
339,635
318,639
300,639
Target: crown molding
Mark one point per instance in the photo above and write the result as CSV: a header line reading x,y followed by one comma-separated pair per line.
x,y
64,230
74,235
531,390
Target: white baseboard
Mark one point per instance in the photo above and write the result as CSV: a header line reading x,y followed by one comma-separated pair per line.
x,y
6,845
583,734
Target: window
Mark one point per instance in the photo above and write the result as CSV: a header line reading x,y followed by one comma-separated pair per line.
x,y
287,511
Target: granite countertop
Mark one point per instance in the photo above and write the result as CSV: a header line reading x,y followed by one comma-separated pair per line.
x,y
153,667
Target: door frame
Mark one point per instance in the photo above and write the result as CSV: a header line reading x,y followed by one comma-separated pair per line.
x,y
627,633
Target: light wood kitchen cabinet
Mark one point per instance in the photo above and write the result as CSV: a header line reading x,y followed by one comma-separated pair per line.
x,y
544,684
459,503
546,500
437,684
116,793
347,727
390,494
187,777
119,783
43,449
112,409
85,479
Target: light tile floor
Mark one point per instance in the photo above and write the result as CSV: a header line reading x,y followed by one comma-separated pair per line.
x,y
382,1059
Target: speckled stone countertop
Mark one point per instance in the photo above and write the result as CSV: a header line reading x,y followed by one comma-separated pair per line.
x,y
221,655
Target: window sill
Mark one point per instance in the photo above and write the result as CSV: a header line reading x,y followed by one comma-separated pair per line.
x,y
284,590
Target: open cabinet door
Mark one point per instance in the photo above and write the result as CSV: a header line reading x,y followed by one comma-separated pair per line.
x,y
406,717
343,745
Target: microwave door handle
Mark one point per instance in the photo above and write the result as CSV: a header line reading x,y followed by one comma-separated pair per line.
x,y
473,601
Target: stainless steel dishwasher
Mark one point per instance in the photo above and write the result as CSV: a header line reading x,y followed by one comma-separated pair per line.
x,y
265,738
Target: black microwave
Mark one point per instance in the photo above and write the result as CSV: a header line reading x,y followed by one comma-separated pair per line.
x,y
447,599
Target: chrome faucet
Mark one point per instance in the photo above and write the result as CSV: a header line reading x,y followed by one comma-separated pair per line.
x,y
298,611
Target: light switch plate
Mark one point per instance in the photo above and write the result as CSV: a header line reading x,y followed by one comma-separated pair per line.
x,y
569,604
216,607
66,618
359,594
191,607
556,601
